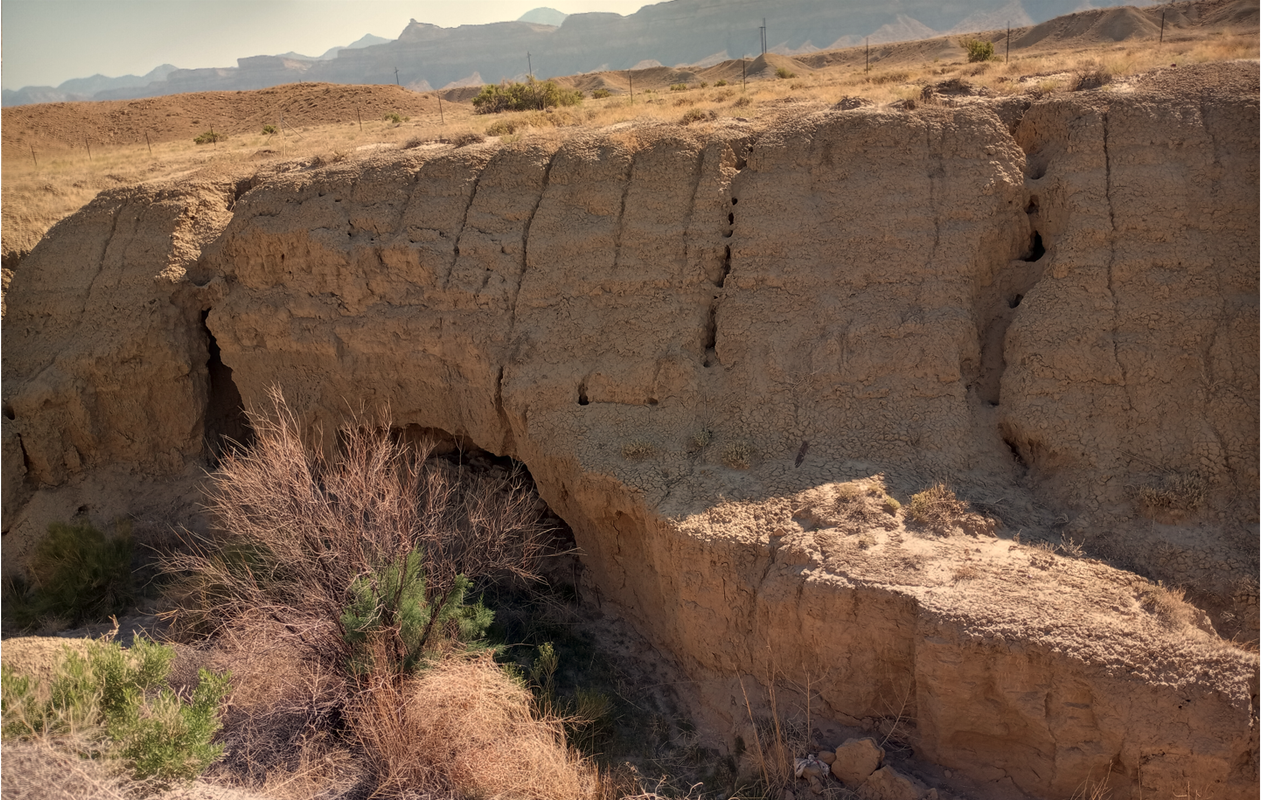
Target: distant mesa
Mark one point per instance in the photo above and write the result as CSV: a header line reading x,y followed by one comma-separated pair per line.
x,y
367,40
543,16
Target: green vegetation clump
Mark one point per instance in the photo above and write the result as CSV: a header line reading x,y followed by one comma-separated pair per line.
x,y
720,82
210,137
395,118
679,87
77,575
531,95
117,703
978,50
600,94
394,595
784,73
268,130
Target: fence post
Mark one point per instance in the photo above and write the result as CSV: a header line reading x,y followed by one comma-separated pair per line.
x,y
33,158
149,144
89,146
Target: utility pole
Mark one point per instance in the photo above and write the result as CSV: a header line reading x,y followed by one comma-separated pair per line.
x,y
1162,36
530,70
1007,48
867,61
742,74
441,121
631,85
762,32
396,77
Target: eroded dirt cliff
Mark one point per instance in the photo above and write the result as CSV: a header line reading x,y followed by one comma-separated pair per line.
x,y
693,338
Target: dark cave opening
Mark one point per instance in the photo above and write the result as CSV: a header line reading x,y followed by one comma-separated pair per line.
x,y
226,424
1036,250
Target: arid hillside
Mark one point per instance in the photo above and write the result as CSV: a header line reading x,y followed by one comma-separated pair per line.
x,y
943,405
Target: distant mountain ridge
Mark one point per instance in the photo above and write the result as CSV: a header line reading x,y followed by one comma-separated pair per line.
x,y
677,32
77,89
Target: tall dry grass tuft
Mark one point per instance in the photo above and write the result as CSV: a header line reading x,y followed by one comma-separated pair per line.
x,y
463,728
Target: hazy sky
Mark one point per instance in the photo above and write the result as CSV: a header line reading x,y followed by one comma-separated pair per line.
x,y
45,42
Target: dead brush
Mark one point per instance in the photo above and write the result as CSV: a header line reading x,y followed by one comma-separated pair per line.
x,y
1167,604
318,566
299,529
937,509
1172,497
465,729
1091,76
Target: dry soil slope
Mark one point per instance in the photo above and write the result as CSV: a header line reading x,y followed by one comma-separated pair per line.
x,y
839,296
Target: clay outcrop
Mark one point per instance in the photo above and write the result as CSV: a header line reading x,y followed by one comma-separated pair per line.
x,y
710,346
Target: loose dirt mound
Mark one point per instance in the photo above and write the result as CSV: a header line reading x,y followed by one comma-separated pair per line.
x,y
182,116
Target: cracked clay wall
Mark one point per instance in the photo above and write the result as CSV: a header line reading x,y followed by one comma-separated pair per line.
x,y
664,321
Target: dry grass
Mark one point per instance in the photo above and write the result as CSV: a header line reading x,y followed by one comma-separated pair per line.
x,y
52,769
1168,605
853,507
1174,496
939,511
464,729
637,450
737,455
935,505
700,439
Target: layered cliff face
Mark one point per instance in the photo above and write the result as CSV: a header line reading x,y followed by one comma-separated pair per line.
x,y
706,344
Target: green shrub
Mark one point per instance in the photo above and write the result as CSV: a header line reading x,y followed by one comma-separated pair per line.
x,y
978,50
77,575
268,130
117,702
394,596
720,82
679,87
531,95
783,73
210,137
600,94
395,118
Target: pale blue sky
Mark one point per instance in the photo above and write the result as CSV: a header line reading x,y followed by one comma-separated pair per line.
x,y
45,42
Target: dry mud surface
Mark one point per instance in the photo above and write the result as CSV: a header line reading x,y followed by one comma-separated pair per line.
x,y
717,349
